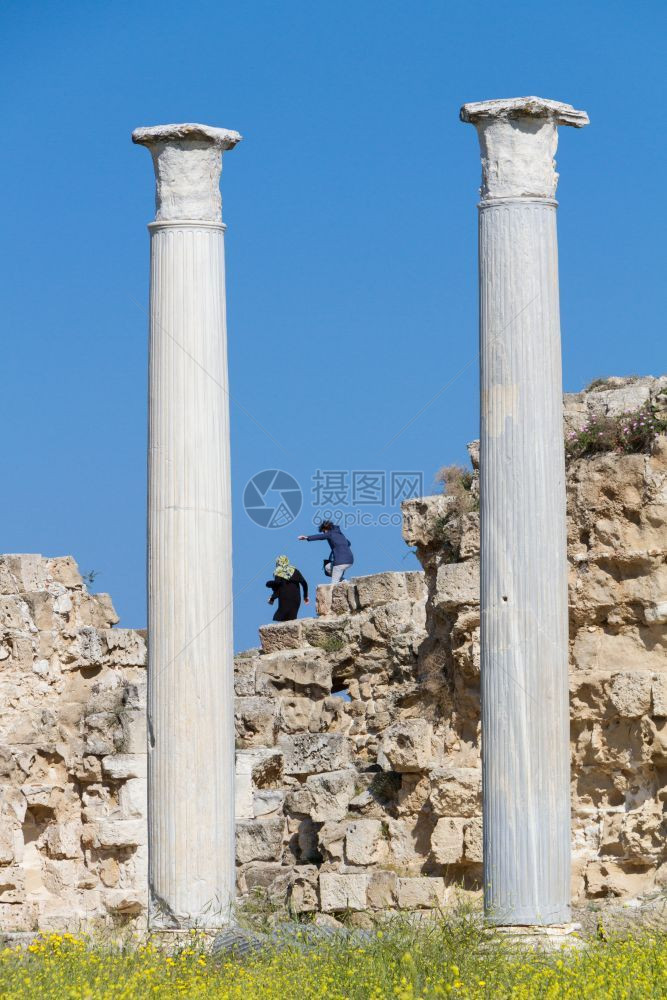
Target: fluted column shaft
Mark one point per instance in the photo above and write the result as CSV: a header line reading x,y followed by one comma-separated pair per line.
x,y
524,614
190,666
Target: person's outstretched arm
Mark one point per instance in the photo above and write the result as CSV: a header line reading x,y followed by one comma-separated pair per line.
x,y
320,537
304,584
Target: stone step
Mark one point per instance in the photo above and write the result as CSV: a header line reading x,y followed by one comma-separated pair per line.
x,y
281,635
336,603
370,591
307,635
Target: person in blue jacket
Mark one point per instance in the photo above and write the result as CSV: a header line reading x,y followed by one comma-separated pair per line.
x,y
341,553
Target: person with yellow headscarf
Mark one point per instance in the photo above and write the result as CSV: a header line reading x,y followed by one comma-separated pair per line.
x,y
285,589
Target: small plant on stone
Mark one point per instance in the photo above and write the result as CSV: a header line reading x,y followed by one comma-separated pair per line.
x,y
329,643
597,383
89,577
457,482
449,535
258,911
630,433
606,382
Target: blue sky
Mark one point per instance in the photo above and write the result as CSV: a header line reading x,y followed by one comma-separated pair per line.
x,y
351,244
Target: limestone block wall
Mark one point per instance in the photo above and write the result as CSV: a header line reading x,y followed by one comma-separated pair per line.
x,y
359,733
333,739
72,752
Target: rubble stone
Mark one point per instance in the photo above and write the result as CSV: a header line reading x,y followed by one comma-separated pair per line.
x,y
415,893
343,892
311,753
456,791
472,840
630,694
330,794
406,746
447,840
365,842
260,840
382,889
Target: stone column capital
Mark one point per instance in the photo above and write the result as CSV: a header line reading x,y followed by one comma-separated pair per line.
x,y
518,137
188,162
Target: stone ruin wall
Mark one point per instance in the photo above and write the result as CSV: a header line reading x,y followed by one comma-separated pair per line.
x,y
358,768
72,752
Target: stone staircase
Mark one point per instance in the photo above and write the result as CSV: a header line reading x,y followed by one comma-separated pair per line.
x,y
334,740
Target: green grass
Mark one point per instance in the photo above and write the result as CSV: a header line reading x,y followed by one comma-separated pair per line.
x,y
452,957
328,643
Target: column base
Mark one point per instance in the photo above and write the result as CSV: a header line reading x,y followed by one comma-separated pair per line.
x,y
169,941
548,937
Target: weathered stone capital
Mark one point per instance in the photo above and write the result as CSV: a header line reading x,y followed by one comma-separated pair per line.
x,y
518,139
188,163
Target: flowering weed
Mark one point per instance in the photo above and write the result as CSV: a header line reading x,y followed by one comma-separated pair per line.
x,y
630,433
402,961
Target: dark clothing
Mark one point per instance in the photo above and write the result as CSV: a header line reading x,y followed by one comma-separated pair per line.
x,y
288,594
340,546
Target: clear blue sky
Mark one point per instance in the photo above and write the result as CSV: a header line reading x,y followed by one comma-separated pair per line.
x,y
351,243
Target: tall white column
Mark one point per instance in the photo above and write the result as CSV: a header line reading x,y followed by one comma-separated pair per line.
x,y
190,659
524,631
